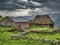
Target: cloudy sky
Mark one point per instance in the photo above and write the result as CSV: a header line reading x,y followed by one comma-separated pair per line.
x,y
28,7
31,7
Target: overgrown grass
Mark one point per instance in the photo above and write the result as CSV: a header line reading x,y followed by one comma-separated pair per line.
x,y
1,18
40,28
4,28
5,39
46,36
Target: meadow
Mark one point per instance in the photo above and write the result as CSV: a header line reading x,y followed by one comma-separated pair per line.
x,y
45,36
6,37
1,18
38,28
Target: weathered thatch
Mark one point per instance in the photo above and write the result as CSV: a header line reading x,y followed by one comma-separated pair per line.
x,y
42,19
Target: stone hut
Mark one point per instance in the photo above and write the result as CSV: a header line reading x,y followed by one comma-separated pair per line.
x,y
43,21
17,22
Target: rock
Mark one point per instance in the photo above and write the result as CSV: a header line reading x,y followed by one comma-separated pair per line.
x,y
23,33
21,30
16,36
42,39
55,41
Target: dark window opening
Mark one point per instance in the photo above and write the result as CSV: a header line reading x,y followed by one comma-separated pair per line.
x,y
19,26
51,25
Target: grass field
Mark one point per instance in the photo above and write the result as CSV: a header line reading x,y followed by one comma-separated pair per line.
x,y
1,18
5,38
43,35
38,28
46,36
4,28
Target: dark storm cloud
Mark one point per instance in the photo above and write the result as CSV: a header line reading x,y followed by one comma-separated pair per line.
x,y
2,0
18,4
52,5
46,0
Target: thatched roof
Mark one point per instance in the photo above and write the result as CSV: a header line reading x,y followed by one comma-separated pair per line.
x,y
42,19
19,19
38,19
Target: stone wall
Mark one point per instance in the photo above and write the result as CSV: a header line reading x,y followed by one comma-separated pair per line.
x,y
7,22
22,25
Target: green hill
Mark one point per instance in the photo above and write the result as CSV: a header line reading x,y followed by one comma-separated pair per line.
x,y
1,18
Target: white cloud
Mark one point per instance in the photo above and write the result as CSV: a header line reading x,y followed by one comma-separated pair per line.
x,y
20,5
55,12
25,0
22,0
24,12
36,3
18,12
39,11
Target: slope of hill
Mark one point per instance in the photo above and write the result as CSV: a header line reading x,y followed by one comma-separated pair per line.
x,y
1,18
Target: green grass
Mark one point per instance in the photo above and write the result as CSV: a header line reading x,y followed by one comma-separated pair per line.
x,y
46,36
4,28
1,18
6,37
40,28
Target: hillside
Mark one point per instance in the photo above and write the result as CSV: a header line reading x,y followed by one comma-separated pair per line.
x,y
6,38
1,18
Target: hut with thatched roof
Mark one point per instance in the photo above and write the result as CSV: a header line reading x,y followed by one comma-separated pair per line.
x,y
43,21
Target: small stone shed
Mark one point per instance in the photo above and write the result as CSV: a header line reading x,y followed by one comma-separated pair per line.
x,y
18,22
43,21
